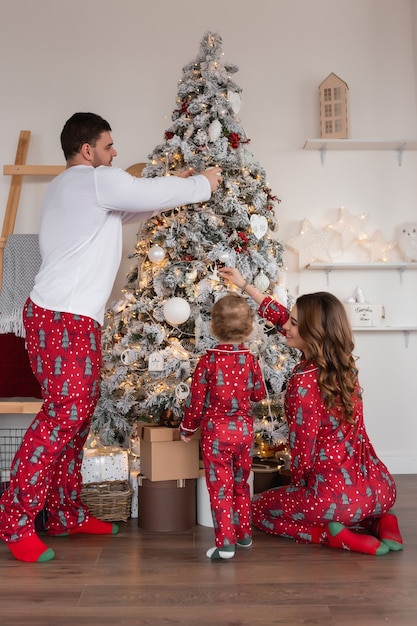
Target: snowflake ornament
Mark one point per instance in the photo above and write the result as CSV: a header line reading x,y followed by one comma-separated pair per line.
x,y
311,245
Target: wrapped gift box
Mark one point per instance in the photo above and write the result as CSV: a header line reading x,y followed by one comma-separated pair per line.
x,y
163,456
133,479
104,464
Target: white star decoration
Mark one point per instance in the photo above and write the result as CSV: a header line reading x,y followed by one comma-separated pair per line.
x,y
349,227
378,248
311,244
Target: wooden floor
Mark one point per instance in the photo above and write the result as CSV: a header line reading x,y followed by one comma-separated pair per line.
x,y
142,578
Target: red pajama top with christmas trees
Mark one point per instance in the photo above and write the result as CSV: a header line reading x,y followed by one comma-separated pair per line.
x,y
227,378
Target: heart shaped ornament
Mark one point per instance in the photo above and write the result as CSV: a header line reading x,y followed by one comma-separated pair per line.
x,y
259,225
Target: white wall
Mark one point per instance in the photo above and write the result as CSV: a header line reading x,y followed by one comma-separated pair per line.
x,y
123,60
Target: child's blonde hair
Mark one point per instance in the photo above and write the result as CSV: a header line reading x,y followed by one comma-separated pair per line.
x,y
232,319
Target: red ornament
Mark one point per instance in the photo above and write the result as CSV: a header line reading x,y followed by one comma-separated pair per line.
x,y
184,106
168,135
234,140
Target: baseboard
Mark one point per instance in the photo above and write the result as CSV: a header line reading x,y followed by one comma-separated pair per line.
x,y
400,463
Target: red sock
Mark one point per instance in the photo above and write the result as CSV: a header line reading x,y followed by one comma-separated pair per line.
x,y
31,550
318,534
388,531
91,526
341,537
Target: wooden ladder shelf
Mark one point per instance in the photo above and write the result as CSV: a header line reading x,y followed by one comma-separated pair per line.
x,y
17,171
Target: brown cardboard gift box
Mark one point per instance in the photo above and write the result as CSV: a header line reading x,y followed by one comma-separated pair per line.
x,y
163,456
166,505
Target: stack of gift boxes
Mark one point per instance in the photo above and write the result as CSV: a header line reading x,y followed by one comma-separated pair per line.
x,y
169,469
161,471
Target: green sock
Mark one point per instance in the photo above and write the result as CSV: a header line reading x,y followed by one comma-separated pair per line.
x,y
225,552
245,542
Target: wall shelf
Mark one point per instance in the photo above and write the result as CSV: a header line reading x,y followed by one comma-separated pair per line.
x,y
323,145
23,406
406,330
330,267
362,266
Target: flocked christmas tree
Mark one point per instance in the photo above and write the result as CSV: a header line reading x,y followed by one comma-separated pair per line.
x,y
160,327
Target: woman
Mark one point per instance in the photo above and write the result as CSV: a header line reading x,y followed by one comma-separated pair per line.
x,y
337,481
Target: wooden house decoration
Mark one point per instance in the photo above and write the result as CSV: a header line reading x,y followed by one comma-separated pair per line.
x,y
334,108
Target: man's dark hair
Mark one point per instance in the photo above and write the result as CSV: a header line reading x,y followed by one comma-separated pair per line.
x,y
82,128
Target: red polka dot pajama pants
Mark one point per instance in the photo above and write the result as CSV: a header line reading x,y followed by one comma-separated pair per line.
x,y
65,355
226,452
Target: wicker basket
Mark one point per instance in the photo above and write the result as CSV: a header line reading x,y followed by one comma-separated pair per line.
x,y
108,501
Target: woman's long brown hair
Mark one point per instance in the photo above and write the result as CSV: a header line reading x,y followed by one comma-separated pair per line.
x,y
325,328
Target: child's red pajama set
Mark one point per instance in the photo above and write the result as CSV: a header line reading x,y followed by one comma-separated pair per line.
x,y
225,381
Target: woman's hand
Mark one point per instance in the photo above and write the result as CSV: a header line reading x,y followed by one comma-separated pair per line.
x,y
233,275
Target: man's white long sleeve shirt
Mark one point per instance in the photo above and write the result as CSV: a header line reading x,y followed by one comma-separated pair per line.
x,y
80,234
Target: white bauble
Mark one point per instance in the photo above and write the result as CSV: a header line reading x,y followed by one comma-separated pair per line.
x,y
156,254
224,257
176,311
261,282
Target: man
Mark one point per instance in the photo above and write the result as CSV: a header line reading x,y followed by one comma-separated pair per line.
x,y
81,244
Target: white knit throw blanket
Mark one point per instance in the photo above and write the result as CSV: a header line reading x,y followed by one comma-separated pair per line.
x,y
21,263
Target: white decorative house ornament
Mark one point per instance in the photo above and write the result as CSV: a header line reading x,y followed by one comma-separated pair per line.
x,y
156,362
259,225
